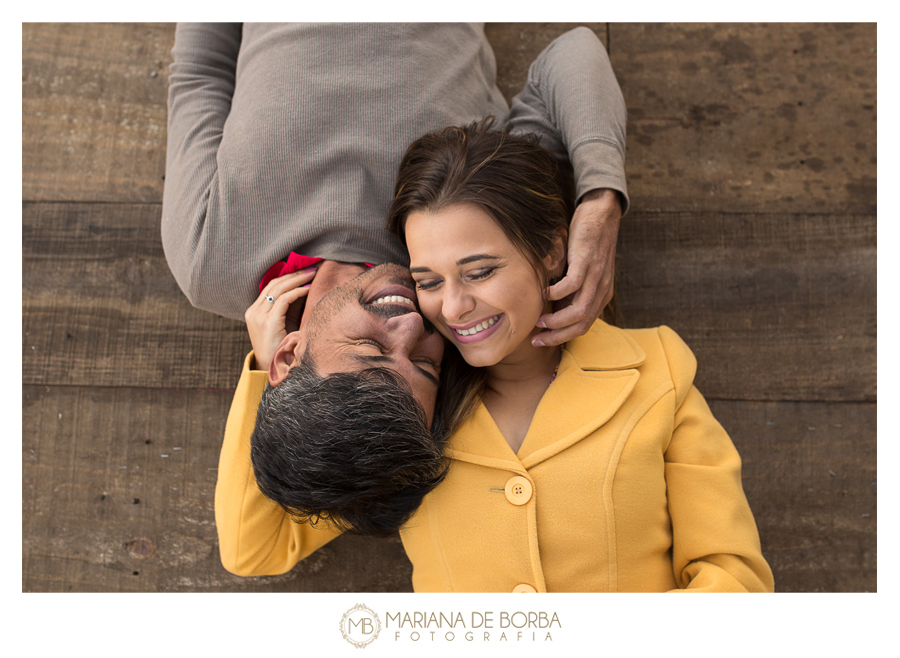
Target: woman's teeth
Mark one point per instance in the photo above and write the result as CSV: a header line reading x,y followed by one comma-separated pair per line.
x,y
478,328
394,299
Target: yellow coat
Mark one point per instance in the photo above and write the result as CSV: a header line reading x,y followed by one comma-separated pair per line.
x,y
625,482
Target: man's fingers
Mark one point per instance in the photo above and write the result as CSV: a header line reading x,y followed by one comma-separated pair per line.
x,y
570,283
574,312
560,336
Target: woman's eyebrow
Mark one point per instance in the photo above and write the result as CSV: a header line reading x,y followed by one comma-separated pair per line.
x,y
472,259
461,261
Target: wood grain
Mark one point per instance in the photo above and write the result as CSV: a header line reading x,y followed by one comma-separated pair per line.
x,y
809,472
101,307
749,117
94,111
775,307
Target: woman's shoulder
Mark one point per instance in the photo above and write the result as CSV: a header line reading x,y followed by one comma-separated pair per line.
x,y
607,346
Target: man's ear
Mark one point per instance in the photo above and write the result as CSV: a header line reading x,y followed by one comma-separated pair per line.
x,y
286,354
555,261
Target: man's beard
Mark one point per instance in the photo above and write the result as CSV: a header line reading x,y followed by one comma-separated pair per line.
x,y
351,292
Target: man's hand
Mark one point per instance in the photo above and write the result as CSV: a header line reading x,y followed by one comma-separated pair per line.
x,y
588,285
268,322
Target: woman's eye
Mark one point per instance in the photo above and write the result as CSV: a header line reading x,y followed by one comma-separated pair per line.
x,y
426,285
482,274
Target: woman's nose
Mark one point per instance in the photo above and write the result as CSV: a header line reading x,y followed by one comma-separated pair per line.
x,y
456,303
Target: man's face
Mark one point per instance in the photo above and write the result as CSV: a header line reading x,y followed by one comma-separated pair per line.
x,y
372,321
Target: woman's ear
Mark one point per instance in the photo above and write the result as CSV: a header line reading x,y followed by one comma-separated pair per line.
x,y
286,354
555,261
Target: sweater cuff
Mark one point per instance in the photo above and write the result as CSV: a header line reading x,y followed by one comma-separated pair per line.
x,y
596,165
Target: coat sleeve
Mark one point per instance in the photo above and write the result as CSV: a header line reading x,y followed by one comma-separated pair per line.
x,y
716,545
201,88
256,536
573,101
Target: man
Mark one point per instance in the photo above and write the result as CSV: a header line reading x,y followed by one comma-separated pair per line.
x,y
286,139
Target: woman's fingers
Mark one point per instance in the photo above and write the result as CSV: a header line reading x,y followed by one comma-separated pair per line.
x,y
282,284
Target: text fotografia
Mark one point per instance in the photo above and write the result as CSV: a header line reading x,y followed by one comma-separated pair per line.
x,y
478,626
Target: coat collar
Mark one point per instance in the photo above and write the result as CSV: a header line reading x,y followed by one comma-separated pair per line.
x,y
605,347
596,375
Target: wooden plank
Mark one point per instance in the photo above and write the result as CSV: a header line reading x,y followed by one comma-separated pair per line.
x,y
756,117
117,495
103,510
809,472
100,306
775,307
94,111
517,45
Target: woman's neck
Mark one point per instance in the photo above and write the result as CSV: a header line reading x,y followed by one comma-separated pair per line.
x,y
515,388
526,368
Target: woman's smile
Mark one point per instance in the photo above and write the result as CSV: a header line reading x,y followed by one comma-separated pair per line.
x,y
477,331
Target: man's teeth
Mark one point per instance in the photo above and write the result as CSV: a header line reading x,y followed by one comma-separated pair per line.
x,y
478,328
394,299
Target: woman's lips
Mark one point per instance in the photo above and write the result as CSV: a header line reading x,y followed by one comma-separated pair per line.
x,y
481,335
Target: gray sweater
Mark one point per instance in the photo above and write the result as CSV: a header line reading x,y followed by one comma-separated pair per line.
x,y
285,137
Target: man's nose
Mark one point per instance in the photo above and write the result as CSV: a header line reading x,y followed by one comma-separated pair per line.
x,y
407,330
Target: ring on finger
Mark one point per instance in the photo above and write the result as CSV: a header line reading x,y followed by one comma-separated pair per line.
x,y
270,299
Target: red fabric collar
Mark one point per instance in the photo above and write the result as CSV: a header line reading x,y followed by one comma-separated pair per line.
x,y
294,263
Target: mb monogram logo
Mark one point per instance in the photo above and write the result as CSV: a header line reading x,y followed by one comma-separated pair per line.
x,y
360,626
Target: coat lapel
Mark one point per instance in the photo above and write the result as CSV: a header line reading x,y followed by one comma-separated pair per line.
x,y
479,441
596,374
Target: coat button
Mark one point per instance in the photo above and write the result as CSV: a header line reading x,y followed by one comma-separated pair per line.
x,y
518,490
524,589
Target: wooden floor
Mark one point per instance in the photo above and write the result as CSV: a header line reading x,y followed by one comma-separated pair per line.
x,y
752,172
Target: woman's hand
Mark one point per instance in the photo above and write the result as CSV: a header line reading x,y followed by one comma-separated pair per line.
x,y
268,322
588,285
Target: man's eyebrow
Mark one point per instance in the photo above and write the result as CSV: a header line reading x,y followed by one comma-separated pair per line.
x,y
373,359
461,261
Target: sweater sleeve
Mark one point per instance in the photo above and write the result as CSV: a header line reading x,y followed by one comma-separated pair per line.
x,y
573,101
201,88
256,536
716,545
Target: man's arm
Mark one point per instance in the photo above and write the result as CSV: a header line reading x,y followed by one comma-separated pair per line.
x,y
256,536
573,101
201,87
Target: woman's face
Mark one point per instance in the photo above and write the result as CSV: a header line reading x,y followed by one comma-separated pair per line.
x,y
473,284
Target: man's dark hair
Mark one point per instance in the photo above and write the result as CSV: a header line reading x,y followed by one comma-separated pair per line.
x,y
350,449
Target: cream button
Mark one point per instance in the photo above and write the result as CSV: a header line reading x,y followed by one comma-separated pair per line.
x,y
524,589
518,490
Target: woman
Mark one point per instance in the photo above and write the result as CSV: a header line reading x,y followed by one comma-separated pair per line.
x,y
596,466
